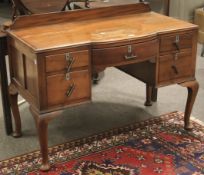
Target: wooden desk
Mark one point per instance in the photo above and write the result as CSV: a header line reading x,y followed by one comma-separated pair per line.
x,y
52,57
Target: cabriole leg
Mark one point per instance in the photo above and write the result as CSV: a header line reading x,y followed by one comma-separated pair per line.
x,y
13,93
42,121
43,139
42,128
154,94
148,95
192,87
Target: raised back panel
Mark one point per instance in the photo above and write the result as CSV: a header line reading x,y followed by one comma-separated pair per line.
x,y
85,14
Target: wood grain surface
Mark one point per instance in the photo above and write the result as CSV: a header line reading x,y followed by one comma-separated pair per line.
x,y
94,31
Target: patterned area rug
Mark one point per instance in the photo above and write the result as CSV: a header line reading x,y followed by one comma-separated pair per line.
x,y
159,146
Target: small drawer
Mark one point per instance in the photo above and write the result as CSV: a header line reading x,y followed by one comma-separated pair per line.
x,y
176,66
176,42
62,61
61,91
127,54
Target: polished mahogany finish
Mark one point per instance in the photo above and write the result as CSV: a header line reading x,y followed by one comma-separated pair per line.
x,y
52,57
125,54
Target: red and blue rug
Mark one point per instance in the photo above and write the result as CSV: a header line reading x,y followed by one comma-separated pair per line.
x,y
159,146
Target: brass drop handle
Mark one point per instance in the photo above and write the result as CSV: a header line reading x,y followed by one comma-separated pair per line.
x,y
130,55
70,60
176,42
177,46
70,90
70,64
175,69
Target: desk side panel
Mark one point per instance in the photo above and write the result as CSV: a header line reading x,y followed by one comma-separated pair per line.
x,y
23,70
79,15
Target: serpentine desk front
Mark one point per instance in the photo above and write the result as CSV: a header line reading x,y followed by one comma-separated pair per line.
x,y
52,58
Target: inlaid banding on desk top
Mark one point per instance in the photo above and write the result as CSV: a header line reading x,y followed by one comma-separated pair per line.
x,y
103,30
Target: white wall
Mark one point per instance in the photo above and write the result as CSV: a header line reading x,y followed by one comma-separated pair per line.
x,y
184,9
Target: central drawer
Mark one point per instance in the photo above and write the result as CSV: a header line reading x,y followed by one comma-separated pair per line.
x,y
126,54
61,91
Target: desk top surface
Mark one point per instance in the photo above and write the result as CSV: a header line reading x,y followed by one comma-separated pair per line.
x,y
96,31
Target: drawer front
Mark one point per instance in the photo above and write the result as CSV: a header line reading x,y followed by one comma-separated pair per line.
x,y
62,92
127,54
176,66
60,62
176,42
